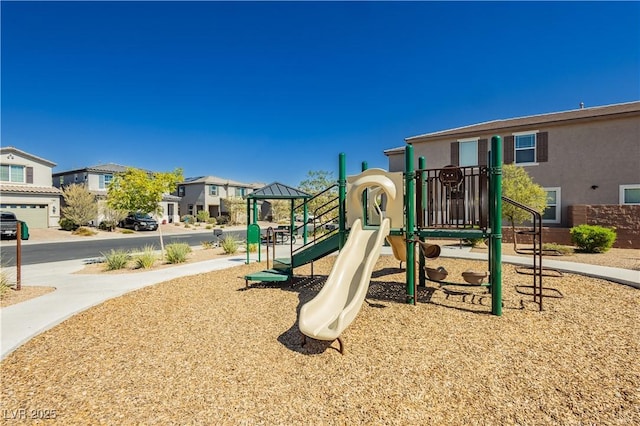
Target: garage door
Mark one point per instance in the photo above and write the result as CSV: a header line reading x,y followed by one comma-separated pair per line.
x,y
34,214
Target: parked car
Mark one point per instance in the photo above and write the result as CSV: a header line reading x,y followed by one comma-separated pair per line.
x,y
139,222
9,226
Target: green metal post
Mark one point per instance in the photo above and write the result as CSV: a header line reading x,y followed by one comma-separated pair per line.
x,y
305,218
410,205
495,266
342,196
422,165
365,201
255,211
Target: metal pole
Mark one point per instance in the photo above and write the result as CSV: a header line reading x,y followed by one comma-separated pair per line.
x,y
19,255
495,267
410,218
342,195
422,165
365,202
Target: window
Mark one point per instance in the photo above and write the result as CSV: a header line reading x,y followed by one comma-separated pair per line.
x,y
9,173
525,145
552,212
240,192
213,190
105,181
468,153
630,194
190,209
181,191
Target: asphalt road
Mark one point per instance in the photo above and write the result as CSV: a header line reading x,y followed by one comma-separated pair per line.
x,y
72,250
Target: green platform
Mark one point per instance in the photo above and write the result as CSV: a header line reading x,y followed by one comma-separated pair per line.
x,y
270,275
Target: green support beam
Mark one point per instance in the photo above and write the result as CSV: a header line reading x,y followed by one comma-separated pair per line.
x,y
342,195
495,215
410,205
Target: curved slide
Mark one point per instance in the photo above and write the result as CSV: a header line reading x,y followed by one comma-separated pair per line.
x,y
333,309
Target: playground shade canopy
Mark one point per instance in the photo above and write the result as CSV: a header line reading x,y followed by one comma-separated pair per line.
x,y
278,191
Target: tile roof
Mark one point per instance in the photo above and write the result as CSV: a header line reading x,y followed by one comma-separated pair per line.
x,y
215,180
29,189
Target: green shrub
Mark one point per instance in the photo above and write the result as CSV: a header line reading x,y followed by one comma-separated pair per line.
x,y
252,248
473,242
203,216
116,259
67,224
229,245
146,258
127,231
177,252
212,221
187,218
593,238
83,231
208,227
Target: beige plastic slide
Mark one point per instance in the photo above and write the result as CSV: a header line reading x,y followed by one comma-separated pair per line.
x,y
327,315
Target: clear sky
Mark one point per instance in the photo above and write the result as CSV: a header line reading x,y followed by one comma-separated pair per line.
x,y
263,92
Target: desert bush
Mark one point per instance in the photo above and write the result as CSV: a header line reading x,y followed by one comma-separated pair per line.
x,y
177,252
116,259
67,224
207,245
563,250
222,220
593,238
229,245
5,283
146,258
107,225
212,221
203,216
187,218
252,248
83,231
127,231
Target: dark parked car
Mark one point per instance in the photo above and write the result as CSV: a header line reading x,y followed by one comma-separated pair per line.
x,y
139,222
9,226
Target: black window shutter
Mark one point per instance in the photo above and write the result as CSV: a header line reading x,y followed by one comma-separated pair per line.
x,y
455,153
542,147
482,152
508,150
29,174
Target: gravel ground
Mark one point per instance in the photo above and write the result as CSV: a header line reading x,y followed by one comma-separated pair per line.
x,y
202,350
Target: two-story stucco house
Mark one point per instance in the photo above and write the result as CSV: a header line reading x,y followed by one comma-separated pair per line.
x,y
582,157
26,188
208,192
97,178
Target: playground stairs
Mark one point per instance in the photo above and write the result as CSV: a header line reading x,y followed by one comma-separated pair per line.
x,y
309,253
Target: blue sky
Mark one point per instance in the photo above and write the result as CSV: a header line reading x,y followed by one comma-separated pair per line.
x,y
266,91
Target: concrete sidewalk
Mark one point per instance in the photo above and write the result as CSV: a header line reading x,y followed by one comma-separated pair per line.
x,y
78,292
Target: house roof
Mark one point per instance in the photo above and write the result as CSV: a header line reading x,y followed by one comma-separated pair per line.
x,y
29,189
100,168
599,112
277,190
215,180
14,150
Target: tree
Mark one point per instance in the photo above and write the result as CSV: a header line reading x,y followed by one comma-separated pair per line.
x,y
80,204
111,217
316,182
518,185
281,210
136,190
236,207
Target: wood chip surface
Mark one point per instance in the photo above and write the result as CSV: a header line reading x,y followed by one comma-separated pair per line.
x,y
203,350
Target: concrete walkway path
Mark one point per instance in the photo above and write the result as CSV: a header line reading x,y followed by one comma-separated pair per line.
x,y
78,292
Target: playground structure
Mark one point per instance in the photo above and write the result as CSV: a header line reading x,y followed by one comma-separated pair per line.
x,y
406,209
